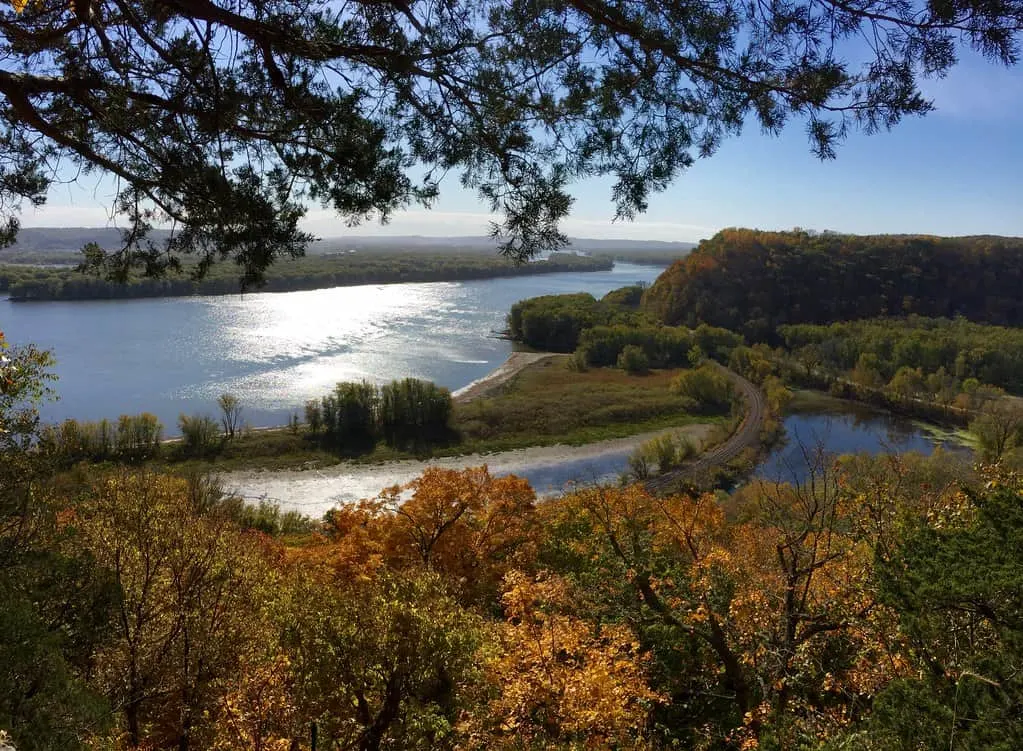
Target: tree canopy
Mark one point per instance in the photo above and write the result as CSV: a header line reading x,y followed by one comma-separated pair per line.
x,y
752,282
225,120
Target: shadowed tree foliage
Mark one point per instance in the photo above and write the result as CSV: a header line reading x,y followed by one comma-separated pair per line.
x,y
753,282
55,601
956,587
226,119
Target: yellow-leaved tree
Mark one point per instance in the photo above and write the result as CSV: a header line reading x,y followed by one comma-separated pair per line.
x,y
558,680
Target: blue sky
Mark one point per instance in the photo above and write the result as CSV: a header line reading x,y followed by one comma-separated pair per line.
x,y
957,171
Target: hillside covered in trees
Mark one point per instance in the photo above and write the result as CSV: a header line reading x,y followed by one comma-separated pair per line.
x,y
752,282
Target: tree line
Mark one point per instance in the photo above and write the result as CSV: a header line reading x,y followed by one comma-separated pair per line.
x,y
355,415
959,348
27,283
611,332
752,282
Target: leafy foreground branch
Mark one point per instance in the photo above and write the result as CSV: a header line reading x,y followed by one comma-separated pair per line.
x,y
226,120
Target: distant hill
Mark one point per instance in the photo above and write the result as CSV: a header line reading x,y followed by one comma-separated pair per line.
x,y
71,239
752,282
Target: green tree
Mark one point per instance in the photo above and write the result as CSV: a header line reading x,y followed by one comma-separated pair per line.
x,y
998,428
867,372
382,661
336,103
350,415
413,411
907,384
956,589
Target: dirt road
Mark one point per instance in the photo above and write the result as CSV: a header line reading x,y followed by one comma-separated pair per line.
x,y
746,435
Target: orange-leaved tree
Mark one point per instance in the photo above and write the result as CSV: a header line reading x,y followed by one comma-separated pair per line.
x,y
467,525
764,628
558,680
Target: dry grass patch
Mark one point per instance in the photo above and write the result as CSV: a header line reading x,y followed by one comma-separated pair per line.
x,y
547,400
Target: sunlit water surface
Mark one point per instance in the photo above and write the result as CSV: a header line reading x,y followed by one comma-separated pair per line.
x,y
275,351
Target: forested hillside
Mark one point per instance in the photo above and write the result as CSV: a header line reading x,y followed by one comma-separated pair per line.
x,y
752,282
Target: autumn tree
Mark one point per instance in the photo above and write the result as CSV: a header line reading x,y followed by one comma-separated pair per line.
x,y
55,600
761,628
225,120
382,661
467,525
188,602
559,681
998,427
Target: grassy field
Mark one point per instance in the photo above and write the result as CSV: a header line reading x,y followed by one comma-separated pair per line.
x,y
544,404
547,403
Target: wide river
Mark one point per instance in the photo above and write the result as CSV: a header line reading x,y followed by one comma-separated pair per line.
x,y
275,351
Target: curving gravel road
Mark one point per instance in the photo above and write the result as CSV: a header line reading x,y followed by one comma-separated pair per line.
x,y
746,435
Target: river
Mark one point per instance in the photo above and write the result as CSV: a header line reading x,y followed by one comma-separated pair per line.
x,y
274,351
839,427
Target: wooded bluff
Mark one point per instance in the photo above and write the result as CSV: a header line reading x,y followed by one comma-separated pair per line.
x,y
752,282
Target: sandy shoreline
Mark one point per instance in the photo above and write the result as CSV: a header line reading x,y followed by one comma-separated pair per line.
x,y
313,491
502,374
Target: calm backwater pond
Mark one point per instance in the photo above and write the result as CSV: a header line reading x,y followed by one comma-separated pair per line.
x,y
845,428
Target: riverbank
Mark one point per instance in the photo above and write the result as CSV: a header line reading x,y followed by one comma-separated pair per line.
x,y
548,468
499,376
531,399
27,284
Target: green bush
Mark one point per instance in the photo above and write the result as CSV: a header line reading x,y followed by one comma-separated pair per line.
x,y
633,360
705,387
665,452
412,410
200,435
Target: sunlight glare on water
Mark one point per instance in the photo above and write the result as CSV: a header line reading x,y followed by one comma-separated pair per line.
x,y
276,351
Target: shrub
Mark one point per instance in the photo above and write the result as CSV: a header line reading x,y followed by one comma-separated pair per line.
x,y
413,410
665,452
200,435
663,346
633,360
705,387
